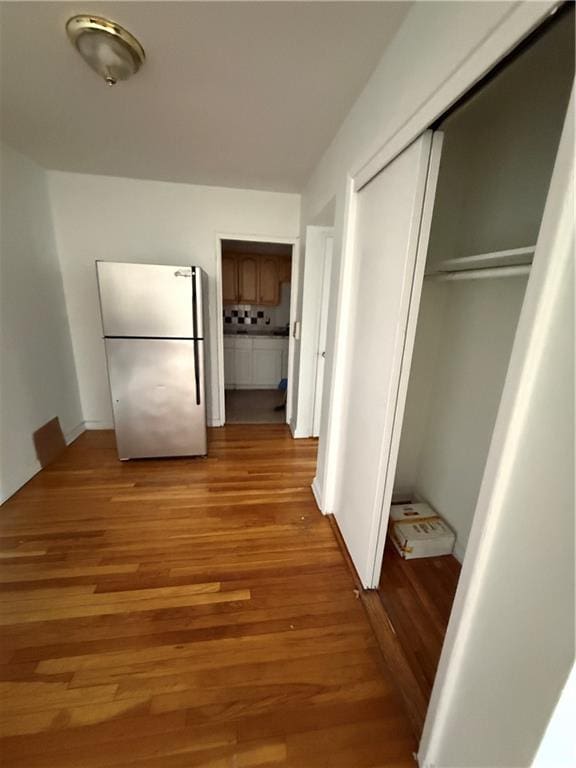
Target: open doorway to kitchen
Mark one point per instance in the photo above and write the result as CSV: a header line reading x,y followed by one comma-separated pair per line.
x,y
256,304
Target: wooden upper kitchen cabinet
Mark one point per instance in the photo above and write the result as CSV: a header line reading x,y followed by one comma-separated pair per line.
x,y
269,282
229,280
254,279
248,274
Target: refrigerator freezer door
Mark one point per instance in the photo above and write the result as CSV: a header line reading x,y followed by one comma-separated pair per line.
x,y
146,300
157,397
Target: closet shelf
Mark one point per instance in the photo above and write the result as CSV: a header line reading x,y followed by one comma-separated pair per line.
x,y
511,261
478,274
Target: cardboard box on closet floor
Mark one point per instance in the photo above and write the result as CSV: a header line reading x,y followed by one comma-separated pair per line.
x,y
416,530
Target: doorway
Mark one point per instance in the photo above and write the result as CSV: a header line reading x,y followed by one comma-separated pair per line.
x,y
256,303
313,330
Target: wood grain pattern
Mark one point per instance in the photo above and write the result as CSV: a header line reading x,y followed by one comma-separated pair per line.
x,y
410,613
165,614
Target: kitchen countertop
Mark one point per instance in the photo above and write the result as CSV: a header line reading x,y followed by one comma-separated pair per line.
x,y
276,333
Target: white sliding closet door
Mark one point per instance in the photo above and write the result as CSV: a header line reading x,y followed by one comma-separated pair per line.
x,y
392,225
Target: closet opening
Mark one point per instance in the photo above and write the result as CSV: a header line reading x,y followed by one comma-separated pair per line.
x,y
498,154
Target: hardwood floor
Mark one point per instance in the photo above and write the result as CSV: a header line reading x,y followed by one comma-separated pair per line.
x,y
410,613
186,613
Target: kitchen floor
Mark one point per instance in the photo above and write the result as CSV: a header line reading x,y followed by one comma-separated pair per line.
x,y
254,406
188,612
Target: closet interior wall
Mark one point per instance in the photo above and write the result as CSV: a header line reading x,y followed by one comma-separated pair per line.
x,y
498,155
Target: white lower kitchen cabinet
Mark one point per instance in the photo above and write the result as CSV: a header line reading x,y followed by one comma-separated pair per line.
x,y
266,363
229,365
259,362
243,363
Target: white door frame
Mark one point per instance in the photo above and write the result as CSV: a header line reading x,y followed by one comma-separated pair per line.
x,y
320,370
309,316
293,241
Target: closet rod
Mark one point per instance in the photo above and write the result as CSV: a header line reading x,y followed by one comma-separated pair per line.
x,y
479,274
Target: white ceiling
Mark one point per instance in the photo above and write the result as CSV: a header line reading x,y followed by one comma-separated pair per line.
x,y
237,94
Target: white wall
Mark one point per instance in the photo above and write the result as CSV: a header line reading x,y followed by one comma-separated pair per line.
x,y
38,380
476,337
558,747
419,395
280,315
99,217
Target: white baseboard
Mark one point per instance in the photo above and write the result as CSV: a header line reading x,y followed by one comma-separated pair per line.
x,y
297,434
75,433
317,494
403,493
32,468
459,551
26,474
238,387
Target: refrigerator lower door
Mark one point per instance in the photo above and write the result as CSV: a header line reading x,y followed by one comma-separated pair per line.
x,y
157,397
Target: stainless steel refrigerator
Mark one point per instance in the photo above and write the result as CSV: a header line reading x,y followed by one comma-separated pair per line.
x,y
152,319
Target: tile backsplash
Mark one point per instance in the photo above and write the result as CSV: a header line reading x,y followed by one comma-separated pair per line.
x,y
252,314
245,314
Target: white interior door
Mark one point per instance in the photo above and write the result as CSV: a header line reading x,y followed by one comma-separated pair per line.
x,y
322,329
389,252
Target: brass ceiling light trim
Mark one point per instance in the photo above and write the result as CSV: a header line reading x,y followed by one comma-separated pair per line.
x,y
109,49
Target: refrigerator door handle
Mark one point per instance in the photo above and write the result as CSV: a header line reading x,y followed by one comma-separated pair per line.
x,y
195,336
194,305
197,303
197,371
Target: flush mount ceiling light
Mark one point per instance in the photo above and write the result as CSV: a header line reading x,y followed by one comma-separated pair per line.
x,y
105,46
